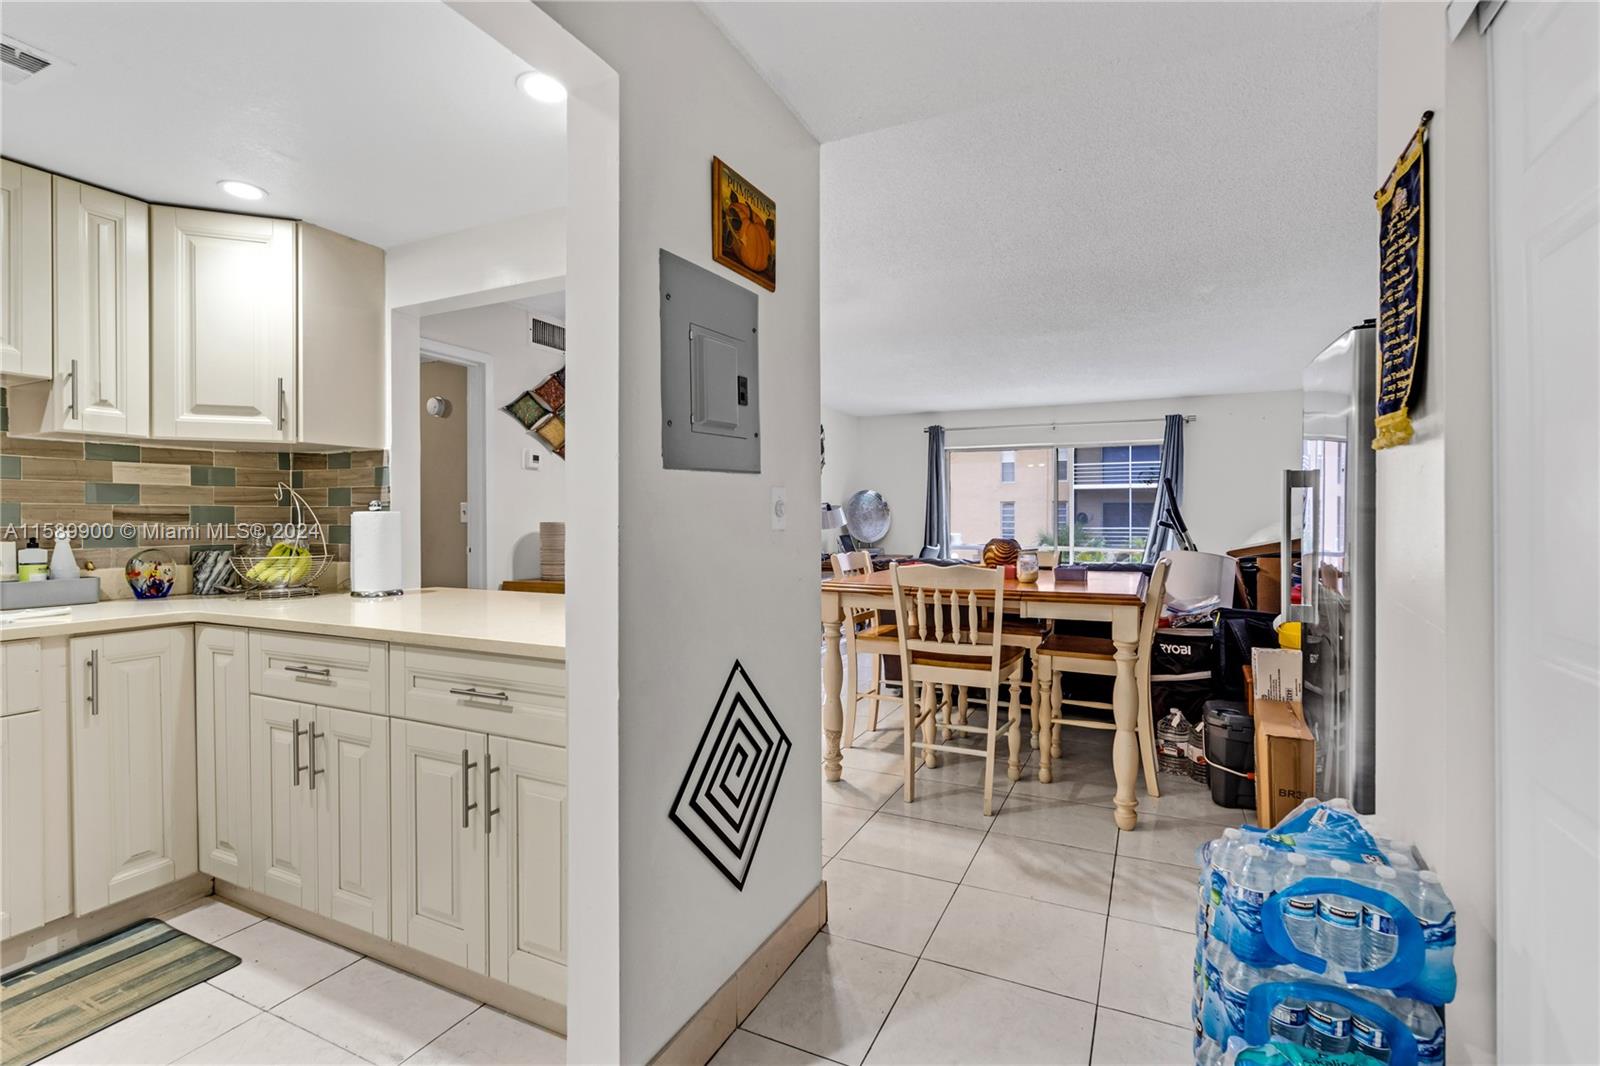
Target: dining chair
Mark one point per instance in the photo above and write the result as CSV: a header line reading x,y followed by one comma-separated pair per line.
x,y
947,640
873,639
1066,653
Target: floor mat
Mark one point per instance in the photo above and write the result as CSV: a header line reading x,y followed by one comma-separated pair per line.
x,y
46,1006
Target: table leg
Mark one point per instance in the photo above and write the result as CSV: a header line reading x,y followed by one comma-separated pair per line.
x,y
1125,707
1035,695
832,708
1046,748
1014,728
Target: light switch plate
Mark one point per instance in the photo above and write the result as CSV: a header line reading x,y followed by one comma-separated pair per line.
x,y
780,508
530,459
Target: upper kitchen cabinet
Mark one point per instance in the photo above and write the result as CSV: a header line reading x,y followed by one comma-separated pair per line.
x,y
222,326
27,333
102,359
344,355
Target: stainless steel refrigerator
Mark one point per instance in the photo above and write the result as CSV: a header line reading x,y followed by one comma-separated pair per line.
x,y
1333,497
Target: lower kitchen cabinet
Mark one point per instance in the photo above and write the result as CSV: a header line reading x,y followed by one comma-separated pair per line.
x,y
35,811
222,737
528,867
133,763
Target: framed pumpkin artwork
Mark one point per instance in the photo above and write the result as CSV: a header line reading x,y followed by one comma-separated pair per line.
x,y
744,221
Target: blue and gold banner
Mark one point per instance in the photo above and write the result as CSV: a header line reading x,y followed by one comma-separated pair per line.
x,y
1402,270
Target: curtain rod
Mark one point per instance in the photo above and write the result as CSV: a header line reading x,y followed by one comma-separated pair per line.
x,y
1063,422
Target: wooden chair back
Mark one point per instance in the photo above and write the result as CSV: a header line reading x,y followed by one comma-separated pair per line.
x,y
1155,591
945,612
848,564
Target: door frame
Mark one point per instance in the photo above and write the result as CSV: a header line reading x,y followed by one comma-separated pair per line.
x,y
480,380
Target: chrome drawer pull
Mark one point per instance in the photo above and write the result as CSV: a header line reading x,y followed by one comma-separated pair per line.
x,y
476,694
467,803
322,675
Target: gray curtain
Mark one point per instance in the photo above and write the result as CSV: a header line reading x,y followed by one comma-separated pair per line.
x,y
936,512
1162,538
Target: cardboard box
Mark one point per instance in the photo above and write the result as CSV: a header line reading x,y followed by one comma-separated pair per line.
x,y
1275,673
1286,759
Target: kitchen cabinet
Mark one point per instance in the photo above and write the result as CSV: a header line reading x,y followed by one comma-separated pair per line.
x,y
441,849
102,322
27,327
222,738
35,812
528,866
133,763
222,326
284,812
344,348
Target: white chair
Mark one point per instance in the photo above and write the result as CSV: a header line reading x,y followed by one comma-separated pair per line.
x,y
945,639
873,639
1197,576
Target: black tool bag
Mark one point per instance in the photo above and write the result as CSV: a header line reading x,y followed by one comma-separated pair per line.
x,y
1237,632
1180,672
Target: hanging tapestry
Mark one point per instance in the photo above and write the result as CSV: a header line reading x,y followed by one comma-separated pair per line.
x,y
1402,271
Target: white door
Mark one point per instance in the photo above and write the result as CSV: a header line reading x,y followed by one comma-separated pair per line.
x,y
528,867
283,830
352,799
132,701
440,847
102,260
222,735
1544,83
222,304
35,776
27,332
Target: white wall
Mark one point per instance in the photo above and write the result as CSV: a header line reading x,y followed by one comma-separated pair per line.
x,y
704,579
517,499
1234,454
1435,713
839,476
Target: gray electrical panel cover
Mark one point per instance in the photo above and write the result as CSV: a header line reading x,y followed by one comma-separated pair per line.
x,y
710,395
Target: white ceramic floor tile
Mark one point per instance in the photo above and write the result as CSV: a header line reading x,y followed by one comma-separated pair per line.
x,y
487,1037
1078,824
839,824
1163,838
1066,786
377,1012
266,1040
1023,940
1126,1040
863,789
163,1031
946,1015
276,962
745,1048
1182,797
210,919
1055,873
833,999
931,849
1148,971
940,801
968,771
888,908
1157,893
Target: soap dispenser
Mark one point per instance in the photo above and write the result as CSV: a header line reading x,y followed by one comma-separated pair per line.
x,y
63,564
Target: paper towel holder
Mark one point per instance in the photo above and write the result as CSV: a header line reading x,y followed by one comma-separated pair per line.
x,y
374,506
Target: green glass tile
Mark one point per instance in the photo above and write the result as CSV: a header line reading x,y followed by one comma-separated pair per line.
x,y
117,539
10,513
103,493
116,453
210,514
338,497
5,419
211,475
338,460
10,467
380,476
297,479
338,534
283,460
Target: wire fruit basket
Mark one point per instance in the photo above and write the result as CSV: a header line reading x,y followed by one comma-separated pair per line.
x,y
287,563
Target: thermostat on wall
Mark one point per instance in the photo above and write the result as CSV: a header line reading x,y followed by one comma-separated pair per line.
x,y
530,459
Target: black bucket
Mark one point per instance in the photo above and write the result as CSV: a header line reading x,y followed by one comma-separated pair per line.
x,y
1231,753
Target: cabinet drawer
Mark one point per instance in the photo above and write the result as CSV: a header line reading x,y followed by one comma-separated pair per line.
x,y
327,671
525,699
21,686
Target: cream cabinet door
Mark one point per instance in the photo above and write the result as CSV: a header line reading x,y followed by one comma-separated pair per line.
x,y
283,828
102,362
35,771
528,867
350,753
222,735
440,847
133,758
27,329
222,304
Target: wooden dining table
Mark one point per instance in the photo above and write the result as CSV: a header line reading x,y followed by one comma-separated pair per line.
x,y
1112,596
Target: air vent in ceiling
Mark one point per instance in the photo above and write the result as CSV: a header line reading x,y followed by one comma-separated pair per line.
x,y
19,62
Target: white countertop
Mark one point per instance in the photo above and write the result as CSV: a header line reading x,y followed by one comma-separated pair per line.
x,y
528,624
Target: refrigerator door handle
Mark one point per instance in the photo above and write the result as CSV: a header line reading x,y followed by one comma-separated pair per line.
x,y
1306,610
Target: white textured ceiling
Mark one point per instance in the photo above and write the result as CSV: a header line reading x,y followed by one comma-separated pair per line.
x,y
1027,204
389,122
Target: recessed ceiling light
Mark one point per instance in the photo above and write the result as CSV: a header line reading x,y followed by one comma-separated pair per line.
x,y
242,189
542,87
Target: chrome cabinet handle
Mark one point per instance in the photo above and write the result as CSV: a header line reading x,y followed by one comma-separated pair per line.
x,y
477,694
489,809
312,736
467,803
93,699
319,674
283,416
72,401
297,767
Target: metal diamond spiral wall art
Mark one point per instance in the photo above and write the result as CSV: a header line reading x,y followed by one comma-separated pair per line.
x,y
727,792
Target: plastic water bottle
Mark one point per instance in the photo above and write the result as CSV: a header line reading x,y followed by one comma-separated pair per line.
x,y
1369,1038
1238,978
1251,883
1339,937
1300,912
1327,1027
1288,1020
1224,853
1400,853
1378,925
1425,1025
1437,915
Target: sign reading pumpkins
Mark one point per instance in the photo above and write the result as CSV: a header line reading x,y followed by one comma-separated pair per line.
x,y
744,227
1402,271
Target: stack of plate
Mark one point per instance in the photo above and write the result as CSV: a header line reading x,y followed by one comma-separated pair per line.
x,y
553,551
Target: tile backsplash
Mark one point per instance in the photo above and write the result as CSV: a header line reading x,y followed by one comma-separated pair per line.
x,y
131,495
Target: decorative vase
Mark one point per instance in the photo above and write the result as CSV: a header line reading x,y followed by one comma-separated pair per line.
x,y
1001,551
150,574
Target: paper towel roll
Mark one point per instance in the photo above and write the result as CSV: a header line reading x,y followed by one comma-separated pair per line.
x,y
375,568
